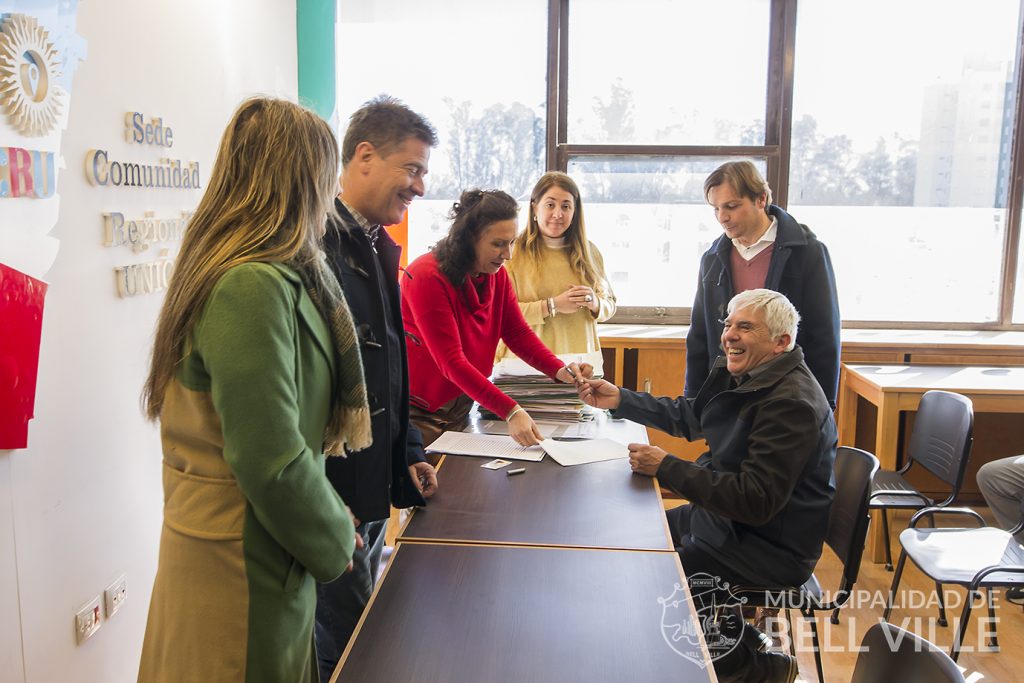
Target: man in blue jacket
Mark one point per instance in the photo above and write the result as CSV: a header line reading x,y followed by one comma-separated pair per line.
x,y
384,158
763,246
759,499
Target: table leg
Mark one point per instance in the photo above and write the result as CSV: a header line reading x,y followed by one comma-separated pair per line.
x,y
846,415
886,442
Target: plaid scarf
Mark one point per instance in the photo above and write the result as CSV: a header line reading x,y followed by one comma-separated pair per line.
x,y
349,426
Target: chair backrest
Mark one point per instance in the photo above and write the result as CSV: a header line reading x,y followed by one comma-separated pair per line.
x,y
941,440
848,518
890,653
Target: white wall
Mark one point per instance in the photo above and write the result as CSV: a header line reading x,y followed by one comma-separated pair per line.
x,y
83,503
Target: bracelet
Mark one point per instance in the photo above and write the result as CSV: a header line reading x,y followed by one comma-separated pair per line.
x,y
551,307
517,409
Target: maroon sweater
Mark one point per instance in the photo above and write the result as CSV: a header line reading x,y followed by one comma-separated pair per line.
x,y
453,333
750,274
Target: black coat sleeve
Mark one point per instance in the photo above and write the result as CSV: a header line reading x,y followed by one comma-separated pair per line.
x,y
819,334
414,445
673,416
697,361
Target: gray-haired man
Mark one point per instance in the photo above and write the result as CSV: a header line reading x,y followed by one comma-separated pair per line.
x,y
760,497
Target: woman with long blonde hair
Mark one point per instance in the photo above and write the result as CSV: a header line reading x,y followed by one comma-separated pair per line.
x,y
254,374
557,273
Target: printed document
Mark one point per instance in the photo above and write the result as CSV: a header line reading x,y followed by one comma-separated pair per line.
x,y
487,445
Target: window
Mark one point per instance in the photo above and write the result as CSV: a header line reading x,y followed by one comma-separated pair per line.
x,y
633,80
475,70
886,127
648,105
1018,300
658,202
892,162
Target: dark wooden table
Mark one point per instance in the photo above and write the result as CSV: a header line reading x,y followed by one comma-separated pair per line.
x,y
598,505
450,613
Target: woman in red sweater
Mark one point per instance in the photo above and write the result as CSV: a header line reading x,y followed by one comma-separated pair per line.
x,y
457,304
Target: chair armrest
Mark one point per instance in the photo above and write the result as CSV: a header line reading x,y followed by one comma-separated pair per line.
x,y
980,576
968,512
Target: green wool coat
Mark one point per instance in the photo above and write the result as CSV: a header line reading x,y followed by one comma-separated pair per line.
x,y
250,519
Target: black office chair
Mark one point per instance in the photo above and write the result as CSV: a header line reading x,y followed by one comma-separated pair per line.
x,y
980,557
847,530
940,443
890,653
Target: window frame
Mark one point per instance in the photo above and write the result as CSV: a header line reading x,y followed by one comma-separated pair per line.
x,y
778,131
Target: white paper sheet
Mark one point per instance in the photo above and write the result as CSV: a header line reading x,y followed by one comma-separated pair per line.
x,y
567,453
486,445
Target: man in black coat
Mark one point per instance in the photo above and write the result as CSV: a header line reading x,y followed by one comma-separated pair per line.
x,y
762,246
384,160
760,497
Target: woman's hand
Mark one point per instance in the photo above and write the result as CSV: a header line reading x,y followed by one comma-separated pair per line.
x,y
584,297
565,303
575,373
523,429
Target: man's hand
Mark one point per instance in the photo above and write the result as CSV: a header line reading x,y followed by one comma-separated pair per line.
x,y
645,459
599,393
424,477
523,429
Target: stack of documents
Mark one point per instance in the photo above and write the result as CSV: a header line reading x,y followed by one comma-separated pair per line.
x,y
540,396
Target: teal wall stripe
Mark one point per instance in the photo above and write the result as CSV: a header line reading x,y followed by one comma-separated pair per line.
x,y
314,27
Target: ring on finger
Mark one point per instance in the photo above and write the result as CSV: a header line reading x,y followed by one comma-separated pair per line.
x,y
588,298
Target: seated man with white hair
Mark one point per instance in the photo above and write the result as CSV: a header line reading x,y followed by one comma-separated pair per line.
x,y
759,498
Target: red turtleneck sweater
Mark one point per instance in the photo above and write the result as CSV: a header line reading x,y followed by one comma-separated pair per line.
x,y
453,332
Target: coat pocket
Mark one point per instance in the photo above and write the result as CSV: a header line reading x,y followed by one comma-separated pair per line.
x,y
295,577
203,507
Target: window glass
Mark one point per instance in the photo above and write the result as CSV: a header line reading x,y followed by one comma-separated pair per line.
x,y
1018,301
649,219
477,70
901,150
666,72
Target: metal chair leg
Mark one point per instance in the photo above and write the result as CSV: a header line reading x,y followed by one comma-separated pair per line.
x,y
792,632
942,605
885,535
895,585
961,627
817,644
993,642
835,615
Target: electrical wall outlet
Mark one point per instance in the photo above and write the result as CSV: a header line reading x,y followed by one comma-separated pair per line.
x,y
88,619
115,595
